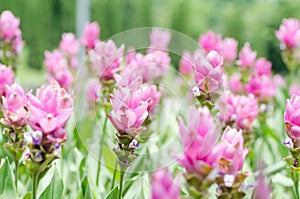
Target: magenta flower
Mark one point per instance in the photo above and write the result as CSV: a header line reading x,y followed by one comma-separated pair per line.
x,y
69,45
57,68
210,41
263,67
50,110
107,58
228,49
151,92
289,33
14,107
239,110
198,137
246,56
208,71
186,63
91,35
262,87
235,84
129,111
9,25
163,186
6,78
291,119
228,155
159,39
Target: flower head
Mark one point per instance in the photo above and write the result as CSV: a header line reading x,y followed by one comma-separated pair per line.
x,y
6,77
91,35
69,45
228,49
210,41
9,25
291,118
186,63
289,33
159,39
246,56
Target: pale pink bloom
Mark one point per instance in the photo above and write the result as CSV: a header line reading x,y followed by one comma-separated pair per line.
x,y
129,111
18,42
91,35
235,83
279,81
262,189
150,92
69,44
289,33
151,66
14,107
198,137
128,79
107,58
263,67
186,63
228,49
292,118
294,89
239,110
57,68
210,41
246,56
163,186
208,71
229,154
9,25
50,110
262,87
6,77
159,39
93,90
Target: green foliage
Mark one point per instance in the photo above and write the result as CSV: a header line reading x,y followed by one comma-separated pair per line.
x,y
7,187
55,188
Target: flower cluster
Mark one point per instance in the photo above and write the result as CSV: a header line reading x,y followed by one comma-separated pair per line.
x,y
59,62
11,43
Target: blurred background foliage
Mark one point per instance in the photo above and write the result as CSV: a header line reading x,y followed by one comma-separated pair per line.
x,y
43,22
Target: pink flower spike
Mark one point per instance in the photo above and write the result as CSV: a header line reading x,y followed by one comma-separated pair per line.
x,y
159,39
9,25
246,56
69,45
228,49
289,33
91,35
6,78
210,41
163,187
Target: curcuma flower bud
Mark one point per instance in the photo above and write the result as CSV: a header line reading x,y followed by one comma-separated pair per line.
x,y
14,107
90,35
208,71
163,186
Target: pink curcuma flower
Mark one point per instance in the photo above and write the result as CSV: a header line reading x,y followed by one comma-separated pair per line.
x,y
238,110
163,186
198,137
14,107
263,67
228,49
6,78
208,71
9,25
129,111
159,39
91,35
93,90
294,89
235,84
69,45
210,41
128,79
107,58
262,87
50,110
291,119
246,56
228,155
57,68
262,189
186,63
151,92
289,33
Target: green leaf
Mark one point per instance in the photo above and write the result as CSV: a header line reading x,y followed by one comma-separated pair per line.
x,y
55,188
114,193
7,187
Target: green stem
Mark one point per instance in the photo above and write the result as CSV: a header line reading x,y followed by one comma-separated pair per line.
x,y
16,173
296,183
122,174
35,185
100,150
114,176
